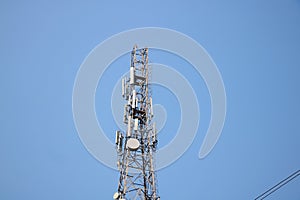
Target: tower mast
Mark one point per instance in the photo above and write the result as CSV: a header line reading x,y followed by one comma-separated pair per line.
x,y
136,147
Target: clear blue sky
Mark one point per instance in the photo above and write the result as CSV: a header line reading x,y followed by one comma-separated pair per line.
x,y
255,45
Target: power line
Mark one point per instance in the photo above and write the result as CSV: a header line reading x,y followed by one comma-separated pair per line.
x,y
278,185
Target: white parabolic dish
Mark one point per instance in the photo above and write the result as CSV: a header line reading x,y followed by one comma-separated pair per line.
x,y
132,144
116,195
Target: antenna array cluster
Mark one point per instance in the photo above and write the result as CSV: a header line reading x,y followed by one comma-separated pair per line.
x,y
136,147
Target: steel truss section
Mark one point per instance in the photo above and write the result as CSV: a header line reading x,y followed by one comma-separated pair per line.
x,y
136,146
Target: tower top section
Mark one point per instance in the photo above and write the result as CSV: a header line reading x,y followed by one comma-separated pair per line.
x,y
137,145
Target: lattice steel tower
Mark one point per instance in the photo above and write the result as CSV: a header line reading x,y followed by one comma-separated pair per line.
x,y
137,146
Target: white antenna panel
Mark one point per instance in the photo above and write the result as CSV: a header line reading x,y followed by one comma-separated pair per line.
x,y
117,137
151,107
123,87
136,124
154,131
129,126
133,98
132,78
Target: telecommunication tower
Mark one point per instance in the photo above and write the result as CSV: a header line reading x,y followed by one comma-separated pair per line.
x,y
136,147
